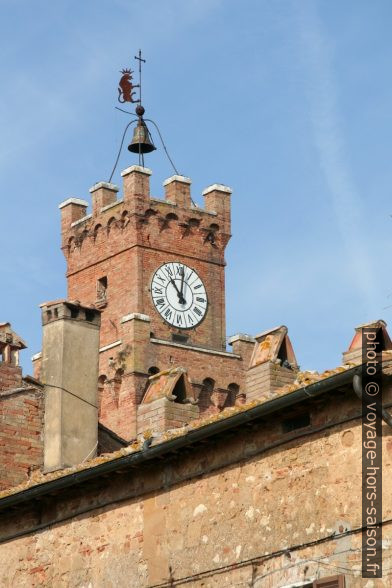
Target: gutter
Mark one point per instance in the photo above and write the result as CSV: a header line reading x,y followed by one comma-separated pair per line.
x,y
173,445
357,385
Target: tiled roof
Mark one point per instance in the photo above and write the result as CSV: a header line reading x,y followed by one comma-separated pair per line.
x,y
303,381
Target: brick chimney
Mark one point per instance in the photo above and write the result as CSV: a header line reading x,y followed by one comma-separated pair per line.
x,y
168,402
10,345
272,366
353,355
69,373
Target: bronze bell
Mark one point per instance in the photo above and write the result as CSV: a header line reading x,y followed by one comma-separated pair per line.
x,y
141,141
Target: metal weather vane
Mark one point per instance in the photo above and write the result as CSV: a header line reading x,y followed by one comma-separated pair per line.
x,y
126,87
142,141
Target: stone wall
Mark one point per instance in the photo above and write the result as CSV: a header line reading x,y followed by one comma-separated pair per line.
x,y
261,508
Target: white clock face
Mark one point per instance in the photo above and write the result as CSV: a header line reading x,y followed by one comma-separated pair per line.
x,y
179,295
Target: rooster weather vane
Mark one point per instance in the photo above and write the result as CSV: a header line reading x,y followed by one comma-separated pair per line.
x,y
142,141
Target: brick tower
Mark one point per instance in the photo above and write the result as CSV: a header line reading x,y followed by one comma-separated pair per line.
x,y
156,270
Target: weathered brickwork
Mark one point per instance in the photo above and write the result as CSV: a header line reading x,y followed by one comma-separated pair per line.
x,y
262,508
264,381
127,242
21,435
112,255
125,375
163,414
10,376
10,346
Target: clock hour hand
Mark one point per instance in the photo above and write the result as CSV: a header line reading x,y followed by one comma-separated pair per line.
x,y
181,298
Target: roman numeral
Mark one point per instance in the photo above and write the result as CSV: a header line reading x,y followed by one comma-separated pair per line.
x,y
169,271
190,319
163,280
198,286
168,313
179,319
199,299
197,310
157,290
160,302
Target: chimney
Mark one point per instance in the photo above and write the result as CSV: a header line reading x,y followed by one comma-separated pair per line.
x,y
10,345
272,366
69,372
353,355
168,402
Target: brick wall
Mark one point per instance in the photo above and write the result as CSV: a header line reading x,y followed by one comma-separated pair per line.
x,y
21,435
125,381
264,380
10,376
163,414
127,241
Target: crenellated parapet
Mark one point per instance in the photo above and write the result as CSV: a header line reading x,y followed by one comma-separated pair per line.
x,y
140,219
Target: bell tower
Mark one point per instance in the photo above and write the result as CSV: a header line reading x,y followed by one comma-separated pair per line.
x,y
114,253
155,268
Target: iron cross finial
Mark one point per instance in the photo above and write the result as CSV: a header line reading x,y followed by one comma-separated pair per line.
x,y
140,60
126,86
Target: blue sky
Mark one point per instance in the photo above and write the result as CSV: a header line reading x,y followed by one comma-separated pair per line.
x,y
286,101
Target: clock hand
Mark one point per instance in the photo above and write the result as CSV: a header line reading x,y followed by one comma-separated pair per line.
x,y
175,285
181,299
182,282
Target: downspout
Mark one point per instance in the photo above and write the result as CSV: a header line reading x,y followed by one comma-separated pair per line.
x,y
357,385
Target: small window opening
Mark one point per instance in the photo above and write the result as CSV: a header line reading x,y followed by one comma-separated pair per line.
x,y
194,222
153,370
211,237
171,216
205,394
179,391
234,391
102,288
282,355
90,316
296,422
178,338
74,312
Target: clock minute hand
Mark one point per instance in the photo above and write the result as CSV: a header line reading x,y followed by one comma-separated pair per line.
x,y
181,299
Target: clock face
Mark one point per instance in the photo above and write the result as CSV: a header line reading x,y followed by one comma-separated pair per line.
x,y
179,295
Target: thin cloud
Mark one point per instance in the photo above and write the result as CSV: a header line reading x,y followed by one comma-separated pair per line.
x,y
317,57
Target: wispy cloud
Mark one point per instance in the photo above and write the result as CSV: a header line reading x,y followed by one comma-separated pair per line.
x,y
328,129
